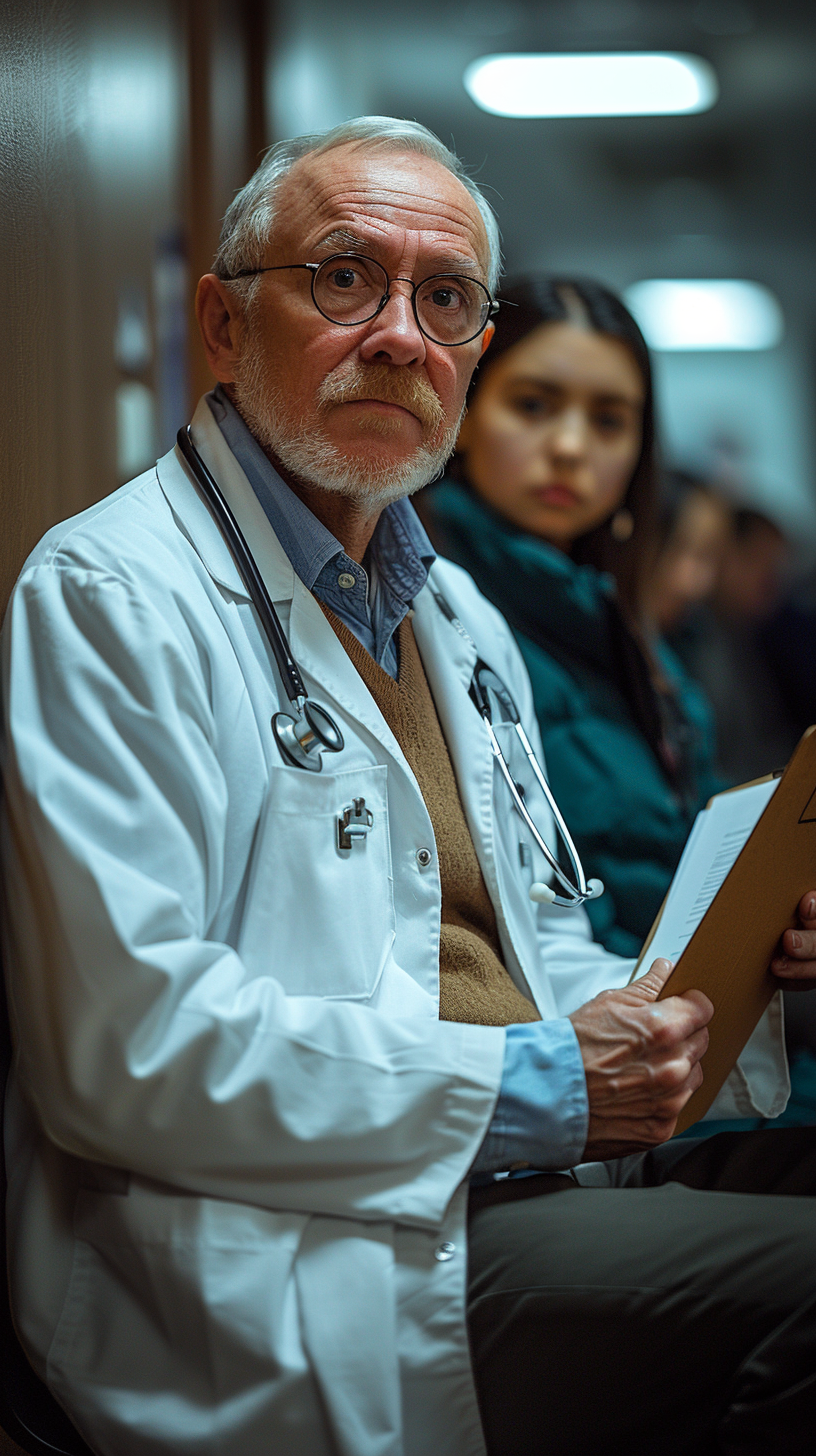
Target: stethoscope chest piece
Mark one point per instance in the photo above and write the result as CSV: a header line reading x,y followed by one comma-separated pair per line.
x,y
302,740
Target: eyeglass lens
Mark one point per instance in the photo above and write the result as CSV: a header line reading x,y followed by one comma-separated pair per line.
x,y
450,309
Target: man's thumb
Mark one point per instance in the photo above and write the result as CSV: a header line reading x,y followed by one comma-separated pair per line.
x,y
650,985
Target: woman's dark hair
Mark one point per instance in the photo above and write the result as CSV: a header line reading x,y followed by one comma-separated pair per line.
x,y
528,302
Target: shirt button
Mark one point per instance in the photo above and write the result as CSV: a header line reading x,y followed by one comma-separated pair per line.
x,y
346,580
444,1252
424,858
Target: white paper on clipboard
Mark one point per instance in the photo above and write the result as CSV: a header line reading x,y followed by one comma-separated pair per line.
x,y
719,833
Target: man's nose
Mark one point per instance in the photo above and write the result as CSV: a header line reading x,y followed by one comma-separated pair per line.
x,y
394,336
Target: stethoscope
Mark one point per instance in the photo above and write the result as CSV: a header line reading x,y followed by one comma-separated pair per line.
x,y
309,731
484,682
304,735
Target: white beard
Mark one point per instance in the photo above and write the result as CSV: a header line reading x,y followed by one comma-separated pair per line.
x,y
308,455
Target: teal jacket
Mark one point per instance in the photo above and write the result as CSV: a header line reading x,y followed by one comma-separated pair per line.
x,y
629,802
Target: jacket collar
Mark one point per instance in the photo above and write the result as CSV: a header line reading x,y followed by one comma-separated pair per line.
x,y
541,592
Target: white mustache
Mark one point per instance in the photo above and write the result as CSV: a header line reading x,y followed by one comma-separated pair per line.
x,y
387,383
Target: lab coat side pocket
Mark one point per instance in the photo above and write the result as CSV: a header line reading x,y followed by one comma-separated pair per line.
x,y
319,912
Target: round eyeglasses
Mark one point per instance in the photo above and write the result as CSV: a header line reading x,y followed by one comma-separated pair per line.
x,y
348,289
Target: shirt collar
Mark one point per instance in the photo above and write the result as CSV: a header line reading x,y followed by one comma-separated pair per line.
x,y
400,548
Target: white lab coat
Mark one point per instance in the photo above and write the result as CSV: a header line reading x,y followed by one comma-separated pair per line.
x,y
238,1132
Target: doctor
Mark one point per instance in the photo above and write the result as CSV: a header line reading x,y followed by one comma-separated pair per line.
x,y
258,1057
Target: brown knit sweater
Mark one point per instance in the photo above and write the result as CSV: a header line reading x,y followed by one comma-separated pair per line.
x,y
474,985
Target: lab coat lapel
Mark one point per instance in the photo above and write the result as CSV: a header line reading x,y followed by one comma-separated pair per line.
x,y
449,656
198,523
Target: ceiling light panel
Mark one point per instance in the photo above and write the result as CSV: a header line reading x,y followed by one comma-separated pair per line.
x,y
706,313
639,83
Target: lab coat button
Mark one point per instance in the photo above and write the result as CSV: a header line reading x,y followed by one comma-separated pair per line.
x,y
424,858
444,1252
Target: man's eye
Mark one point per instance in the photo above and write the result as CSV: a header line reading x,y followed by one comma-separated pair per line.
x,y
343,277
446,298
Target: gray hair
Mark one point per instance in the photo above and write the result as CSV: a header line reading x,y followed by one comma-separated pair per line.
x,y
251,215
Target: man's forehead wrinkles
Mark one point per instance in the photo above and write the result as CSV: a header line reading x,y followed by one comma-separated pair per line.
x,y
365,232
382,201
364,229
362,212
424,208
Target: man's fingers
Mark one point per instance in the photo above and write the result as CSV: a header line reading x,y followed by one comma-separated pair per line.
x,y
696,1046
651,1080
679,1017
807,909
650,985
794,975
795,960
800,945
695,1003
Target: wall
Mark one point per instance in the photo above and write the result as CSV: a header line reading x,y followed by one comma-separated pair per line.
x,y
125,128
92,121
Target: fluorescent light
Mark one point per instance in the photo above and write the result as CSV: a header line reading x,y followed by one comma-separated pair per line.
x,y
642,83
706,313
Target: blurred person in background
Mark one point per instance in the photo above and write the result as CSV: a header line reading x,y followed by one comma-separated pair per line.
x,y
722,646
551,504
692,530
749,647
711,555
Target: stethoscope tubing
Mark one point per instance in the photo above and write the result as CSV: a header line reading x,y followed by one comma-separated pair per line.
x,y
247,567
558,817
575,893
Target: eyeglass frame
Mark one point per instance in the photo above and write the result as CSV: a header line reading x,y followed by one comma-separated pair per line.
x,y
314,269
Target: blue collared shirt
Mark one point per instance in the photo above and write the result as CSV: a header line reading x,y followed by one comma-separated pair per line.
x,y
541,1114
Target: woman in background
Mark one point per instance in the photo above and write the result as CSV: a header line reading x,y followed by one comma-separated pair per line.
x,y
550,504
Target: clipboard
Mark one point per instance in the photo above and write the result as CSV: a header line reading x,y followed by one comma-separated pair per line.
x,y
730,951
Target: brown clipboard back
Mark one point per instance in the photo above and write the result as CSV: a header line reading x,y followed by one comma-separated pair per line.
x,y
729,952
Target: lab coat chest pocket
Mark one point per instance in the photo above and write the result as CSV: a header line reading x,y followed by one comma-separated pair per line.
x,y
319,917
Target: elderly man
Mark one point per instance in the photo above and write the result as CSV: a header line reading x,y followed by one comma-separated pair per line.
x,y
274,1025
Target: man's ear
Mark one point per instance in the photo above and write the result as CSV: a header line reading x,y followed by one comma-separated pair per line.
x,y
220,321
488,335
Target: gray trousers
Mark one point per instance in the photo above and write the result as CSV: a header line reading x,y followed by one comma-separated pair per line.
x,y
663,1304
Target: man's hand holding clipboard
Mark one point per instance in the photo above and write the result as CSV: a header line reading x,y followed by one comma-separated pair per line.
x,y
657,1052
758,933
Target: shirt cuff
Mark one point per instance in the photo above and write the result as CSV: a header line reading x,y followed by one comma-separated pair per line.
x,y
542,1113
